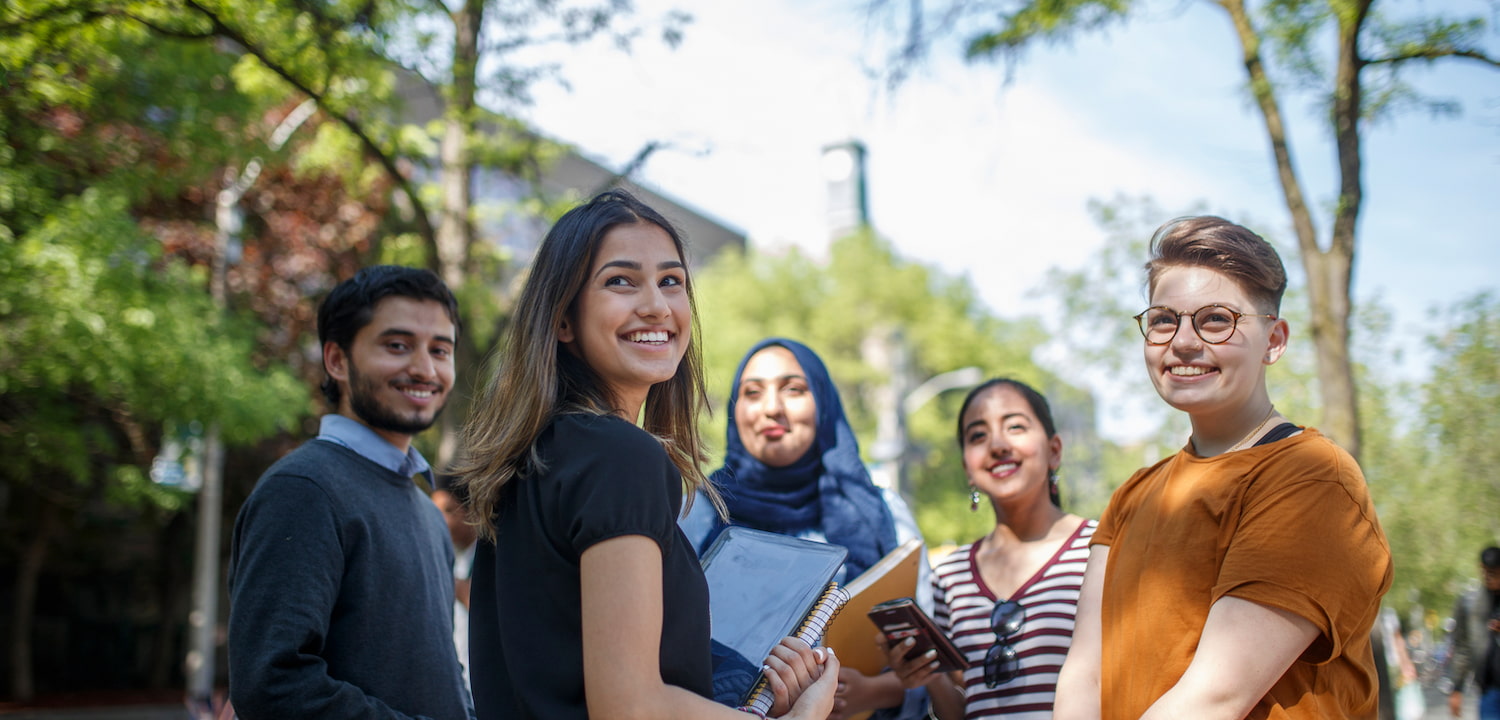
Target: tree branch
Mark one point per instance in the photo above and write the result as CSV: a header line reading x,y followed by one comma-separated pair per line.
x,y
1434,54
49,14
387,162
169,32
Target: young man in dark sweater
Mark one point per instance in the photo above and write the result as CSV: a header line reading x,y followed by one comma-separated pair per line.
x,y
340,578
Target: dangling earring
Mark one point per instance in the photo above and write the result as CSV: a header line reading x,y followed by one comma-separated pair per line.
x,y
973,499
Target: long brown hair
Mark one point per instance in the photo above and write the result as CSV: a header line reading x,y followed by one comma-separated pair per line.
x,y
534,379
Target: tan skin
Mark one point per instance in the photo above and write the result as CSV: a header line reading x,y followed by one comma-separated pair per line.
x,y
402,361
1008,457
631,326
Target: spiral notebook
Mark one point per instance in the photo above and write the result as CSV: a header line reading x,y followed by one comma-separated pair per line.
x,y
763,587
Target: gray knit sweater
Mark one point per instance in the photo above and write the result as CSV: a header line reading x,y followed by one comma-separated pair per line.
x,y
341,595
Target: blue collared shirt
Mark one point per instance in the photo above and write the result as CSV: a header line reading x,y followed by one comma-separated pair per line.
x,y
361,439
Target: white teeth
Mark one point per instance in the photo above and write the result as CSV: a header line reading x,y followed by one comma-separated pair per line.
x,y
420,393
1187,370
655,336
1004,467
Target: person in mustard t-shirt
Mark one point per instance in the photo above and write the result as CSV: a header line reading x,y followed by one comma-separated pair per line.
x,y
1240,577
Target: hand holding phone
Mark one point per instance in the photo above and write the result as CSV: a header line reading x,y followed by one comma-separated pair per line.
x,y
901,618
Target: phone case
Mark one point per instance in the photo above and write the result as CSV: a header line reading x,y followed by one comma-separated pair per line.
x,y
901,618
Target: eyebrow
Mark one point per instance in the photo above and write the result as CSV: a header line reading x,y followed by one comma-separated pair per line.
x,y
403,332
1003,418
633,265
790,376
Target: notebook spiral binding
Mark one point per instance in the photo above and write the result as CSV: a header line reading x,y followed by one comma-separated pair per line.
x,y
810,631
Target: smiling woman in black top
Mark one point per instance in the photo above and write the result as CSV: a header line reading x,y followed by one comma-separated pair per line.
x,y
587,601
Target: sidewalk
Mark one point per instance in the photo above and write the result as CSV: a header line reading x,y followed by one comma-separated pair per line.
x,y
117,705
1437,706
137,712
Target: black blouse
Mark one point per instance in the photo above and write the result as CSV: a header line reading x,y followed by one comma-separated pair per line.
x,y
603,478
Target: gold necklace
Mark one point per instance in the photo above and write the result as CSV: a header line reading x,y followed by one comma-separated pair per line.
x,y
1253,433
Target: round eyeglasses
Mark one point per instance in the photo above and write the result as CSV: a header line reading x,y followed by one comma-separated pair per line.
x,y
1001,662
1215,324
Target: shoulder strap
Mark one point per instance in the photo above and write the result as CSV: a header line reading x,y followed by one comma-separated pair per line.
x,y
1280,432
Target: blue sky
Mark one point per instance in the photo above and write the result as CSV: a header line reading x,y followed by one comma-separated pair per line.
x,y
992,180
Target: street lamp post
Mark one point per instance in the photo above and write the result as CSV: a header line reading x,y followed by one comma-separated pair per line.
x,y
203,620
892,451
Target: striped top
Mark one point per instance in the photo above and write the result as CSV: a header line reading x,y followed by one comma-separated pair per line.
x,y
962,609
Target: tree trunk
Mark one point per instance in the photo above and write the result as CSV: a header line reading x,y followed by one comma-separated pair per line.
x,y
455,231
1329,273
23,615
1333,308
455,234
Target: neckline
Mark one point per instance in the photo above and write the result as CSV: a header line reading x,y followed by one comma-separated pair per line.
x,y
1302,432
1023,588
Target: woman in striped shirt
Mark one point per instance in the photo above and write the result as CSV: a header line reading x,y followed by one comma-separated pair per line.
x,y
1007,600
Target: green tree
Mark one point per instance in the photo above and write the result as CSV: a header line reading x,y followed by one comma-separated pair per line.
x,y
105,345
359,62
111,141
1452,496
1282,47
865,291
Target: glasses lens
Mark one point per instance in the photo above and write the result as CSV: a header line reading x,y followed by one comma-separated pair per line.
x,y
1000,664
1215,324
1158,324
1006,618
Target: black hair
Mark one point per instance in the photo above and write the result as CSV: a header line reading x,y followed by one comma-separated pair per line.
x,y
1039,407
1490,557
351,305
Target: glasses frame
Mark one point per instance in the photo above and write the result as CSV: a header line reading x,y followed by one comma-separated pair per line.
x,y
1001,662
1140,321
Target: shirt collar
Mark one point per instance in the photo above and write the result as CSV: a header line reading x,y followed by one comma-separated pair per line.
x,y
361,439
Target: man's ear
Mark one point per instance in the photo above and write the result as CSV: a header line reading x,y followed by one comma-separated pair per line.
x,y
335,362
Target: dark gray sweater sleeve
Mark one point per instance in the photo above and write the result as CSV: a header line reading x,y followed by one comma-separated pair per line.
x,y
284,580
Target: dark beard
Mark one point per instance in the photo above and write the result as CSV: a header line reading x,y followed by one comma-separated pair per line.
x,y
362,401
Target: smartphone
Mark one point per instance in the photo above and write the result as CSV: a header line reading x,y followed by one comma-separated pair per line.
x,y
900,619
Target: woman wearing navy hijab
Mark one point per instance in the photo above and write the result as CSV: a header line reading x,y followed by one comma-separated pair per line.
x,y
792,466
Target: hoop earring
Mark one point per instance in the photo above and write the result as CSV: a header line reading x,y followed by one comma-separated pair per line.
x,y
973,499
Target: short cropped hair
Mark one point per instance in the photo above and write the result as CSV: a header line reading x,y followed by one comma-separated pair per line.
x,y
1217,244
351,305
1490,557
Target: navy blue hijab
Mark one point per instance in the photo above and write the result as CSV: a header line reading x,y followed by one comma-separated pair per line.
x,y
827,489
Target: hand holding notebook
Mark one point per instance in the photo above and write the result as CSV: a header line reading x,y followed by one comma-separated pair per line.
x,y
764,587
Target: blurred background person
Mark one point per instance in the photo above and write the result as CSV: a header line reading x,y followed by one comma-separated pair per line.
x,y
792,466
1476,641
1007,600
464,536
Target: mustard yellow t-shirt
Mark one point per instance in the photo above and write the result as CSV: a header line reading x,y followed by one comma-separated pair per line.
x,y
1288,524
